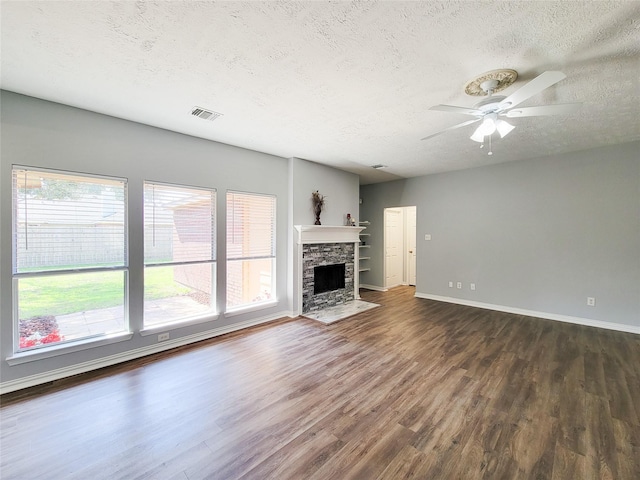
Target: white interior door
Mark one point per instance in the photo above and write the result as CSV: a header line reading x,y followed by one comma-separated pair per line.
x,y
393,241
411,244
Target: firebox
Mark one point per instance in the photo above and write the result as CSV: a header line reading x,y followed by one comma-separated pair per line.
x,y
327,278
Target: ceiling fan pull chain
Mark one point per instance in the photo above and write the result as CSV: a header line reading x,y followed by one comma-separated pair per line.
x,y
490,152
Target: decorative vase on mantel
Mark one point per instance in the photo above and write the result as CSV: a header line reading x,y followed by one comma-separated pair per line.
x,y
317,199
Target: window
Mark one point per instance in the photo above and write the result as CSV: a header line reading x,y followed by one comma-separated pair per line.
x,y
179,253
69,257
251,247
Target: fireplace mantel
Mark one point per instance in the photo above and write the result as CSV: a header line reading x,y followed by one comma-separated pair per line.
x,y
327,234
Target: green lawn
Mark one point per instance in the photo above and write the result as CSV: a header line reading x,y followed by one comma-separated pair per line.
x,y
63,294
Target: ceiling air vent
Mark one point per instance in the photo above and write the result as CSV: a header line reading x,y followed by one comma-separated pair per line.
x,y
205,114
379,166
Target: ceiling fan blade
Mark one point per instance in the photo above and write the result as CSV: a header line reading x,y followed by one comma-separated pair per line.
x,y
463,124
454,109
560,109
542,81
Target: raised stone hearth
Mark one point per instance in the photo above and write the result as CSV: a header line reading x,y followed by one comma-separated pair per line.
x,y
340,312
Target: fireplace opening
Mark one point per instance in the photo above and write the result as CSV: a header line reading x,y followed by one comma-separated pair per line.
x,y
328,277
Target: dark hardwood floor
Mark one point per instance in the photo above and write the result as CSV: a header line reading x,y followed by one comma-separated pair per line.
x,y
412,389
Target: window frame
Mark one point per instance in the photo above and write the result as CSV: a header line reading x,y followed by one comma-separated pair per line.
x,y
212,312
254,306
90,341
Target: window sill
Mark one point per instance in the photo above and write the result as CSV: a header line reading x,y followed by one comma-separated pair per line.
x,y
250,308
63,349
163,327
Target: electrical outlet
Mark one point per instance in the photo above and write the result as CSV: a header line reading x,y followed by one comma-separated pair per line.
x,y
427,237
163,337
472,286
450,284
459,285
591,301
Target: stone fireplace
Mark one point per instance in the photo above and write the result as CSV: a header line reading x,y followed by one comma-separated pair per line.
x,y
320,255
321,246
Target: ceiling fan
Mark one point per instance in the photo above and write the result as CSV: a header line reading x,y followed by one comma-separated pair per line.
x,y
489,110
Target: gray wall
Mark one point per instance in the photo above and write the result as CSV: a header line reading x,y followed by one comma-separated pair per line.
x,y
339,188
540,235
43,134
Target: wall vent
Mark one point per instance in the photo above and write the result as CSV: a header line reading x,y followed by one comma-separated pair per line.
x,y
205,114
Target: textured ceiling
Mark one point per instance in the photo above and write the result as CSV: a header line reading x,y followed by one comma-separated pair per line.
x,y
346,84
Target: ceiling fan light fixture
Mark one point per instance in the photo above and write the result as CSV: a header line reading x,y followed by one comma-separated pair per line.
x,y
477,136
503,127
488,125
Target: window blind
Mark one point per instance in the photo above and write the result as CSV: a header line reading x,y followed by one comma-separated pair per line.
x,y
250,226
179,224
67,222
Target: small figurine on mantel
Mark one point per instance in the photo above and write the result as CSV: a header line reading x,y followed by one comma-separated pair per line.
x,y
317,199
351,222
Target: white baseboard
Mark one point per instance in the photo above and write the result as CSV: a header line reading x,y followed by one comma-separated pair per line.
x,y
373,287
44,377
620,327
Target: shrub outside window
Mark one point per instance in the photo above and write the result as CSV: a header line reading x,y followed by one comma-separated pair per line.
x,y
69,256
